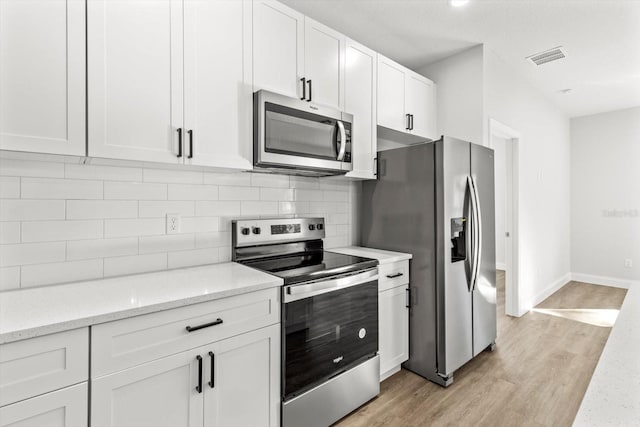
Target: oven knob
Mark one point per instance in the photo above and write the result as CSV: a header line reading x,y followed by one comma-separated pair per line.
x,y
312,227
256,230
319,226
245,231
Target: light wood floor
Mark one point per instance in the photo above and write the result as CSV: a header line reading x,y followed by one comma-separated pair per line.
x,y
536,377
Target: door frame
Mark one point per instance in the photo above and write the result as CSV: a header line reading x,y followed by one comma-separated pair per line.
x,y
513,300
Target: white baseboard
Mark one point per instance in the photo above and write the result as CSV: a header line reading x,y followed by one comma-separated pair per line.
x,y
603,280
549,290
501,266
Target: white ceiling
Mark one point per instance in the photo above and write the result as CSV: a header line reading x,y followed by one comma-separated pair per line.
x,y
601,38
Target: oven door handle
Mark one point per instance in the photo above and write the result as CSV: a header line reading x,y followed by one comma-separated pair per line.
x,y
296,292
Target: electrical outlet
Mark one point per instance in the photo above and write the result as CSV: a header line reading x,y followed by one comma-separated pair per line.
x,y
628,263
173,223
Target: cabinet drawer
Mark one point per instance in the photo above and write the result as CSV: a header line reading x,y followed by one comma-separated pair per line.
x,y
394,274
129,342
38,365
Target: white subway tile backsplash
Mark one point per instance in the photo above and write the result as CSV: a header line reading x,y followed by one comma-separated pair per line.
x,y
134,227
194,257
31,253
9,187
51,231
193,192
155,208
31,210
62,220
61,272
239,193
50,188
121,266
285,194
102,172
9,232
94,209
173,176
9,278
269,180
166,243
134,191
230,179
223,208
101,248
14,167
258,208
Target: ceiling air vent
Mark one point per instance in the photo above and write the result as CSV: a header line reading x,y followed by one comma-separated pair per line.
x,y
547,56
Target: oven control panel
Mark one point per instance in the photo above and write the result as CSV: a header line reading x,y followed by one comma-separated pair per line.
x,y
250,232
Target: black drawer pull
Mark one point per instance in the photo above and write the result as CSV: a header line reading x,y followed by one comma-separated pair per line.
x,y
199,386
212,383
393,276
206,325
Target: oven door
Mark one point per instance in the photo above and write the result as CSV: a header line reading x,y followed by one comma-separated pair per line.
x,y
329,326
291,133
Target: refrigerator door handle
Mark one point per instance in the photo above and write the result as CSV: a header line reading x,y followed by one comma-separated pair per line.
x,y
477,230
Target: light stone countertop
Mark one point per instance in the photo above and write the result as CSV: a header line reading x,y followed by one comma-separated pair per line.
x,y
613,395
383,257
27,313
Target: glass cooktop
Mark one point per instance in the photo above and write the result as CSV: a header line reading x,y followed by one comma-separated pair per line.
x,y
315,265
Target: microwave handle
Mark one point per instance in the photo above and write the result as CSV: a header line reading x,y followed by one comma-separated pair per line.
x,y
343,140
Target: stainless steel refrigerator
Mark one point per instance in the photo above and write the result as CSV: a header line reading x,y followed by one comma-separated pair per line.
x,y
436,201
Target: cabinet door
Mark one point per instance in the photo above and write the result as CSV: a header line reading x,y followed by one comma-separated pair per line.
x,y
391,96
135,79
42,76
218,92
360,100
246,380
62,408
419,96
161,393
394,328
324,62
278,48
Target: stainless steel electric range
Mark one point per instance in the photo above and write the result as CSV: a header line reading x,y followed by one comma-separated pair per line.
x,y
330,362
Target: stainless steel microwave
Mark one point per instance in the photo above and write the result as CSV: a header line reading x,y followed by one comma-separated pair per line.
x,y
298,137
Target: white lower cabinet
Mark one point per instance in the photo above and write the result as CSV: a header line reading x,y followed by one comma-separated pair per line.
x,y
232,382
62,408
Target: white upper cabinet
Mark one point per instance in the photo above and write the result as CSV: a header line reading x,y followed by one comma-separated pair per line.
x,y
360,100
42,76
278,48
324,64
135,79
406,100
217,83
296,56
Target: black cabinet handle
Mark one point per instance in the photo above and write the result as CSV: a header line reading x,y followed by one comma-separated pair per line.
x,y
212,383
408,127
393,276
179,142
304,89
205,325
199,386
310,96
375,166
411,122
408,304
190,132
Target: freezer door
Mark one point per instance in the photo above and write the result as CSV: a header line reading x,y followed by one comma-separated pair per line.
x,y
454,310
484,293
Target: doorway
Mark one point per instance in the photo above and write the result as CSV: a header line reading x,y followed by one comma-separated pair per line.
x,y
505,142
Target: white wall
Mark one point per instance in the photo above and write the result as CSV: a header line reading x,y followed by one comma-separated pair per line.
x,y
460,94
63,221
500,171
605,198
544,177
